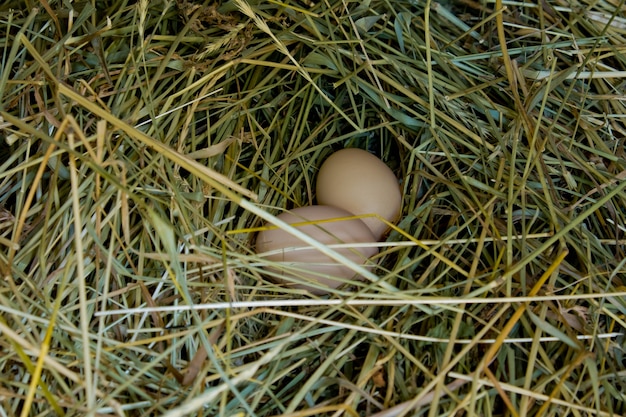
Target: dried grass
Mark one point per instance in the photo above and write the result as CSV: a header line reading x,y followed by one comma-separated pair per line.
x,y
141,144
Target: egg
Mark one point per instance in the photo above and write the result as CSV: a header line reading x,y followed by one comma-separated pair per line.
x,y
360,183
303,263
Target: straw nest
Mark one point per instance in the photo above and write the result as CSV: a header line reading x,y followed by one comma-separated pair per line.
x,y
142,143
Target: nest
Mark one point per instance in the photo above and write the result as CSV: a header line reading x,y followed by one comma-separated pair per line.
x,y
142,144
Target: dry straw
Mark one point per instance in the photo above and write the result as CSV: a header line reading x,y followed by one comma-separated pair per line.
x,y
143,143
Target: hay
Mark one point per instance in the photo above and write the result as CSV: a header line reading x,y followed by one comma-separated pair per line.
x,y
142,144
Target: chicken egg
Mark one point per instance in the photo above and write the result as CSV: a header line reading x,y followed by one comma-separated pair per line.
x,y
357,181
299,263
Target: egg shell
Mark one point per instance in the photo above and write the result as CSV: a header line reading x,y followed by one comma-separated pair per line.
x,y
359,182
307,263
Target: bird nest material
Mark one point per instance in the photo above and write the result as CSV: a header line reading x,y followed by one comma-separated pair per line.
x,y
143,143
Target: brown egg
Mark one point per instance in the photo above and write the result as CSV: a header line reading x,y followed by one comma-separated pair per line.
x,y
302,263
357,181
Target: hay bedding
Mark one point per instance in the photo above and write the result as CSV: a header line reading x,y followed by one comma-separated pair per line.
x,y
143,143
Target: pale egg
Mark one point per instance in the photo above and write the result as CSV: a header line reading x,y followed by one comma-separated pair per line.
x,y
360,183
295,263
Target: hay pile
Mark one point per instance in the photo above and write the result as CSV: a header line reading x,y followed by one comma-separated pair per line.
x,y
141,144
